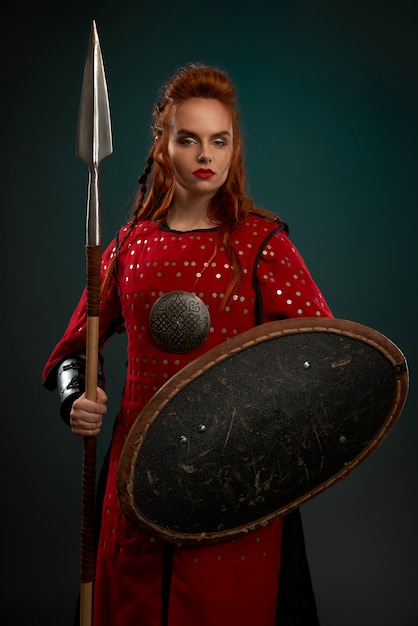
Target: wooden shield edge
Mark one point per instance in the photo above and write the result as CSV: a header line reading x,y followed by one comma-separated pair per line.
x,y
261,333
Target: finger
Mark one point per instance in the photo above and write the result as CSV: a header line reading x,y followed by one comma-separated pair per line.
x,y
101,396
83,405
86,427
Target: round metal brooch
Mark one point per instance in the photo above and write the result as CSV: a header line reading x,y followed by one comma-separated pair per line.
x,y
179,321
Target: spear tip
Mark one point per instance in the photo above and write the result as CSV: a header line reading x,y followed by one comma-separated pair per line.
x,y
94,132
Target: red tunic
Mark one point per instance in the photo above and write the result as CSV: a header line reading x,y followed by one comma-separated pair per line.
x,y
233,582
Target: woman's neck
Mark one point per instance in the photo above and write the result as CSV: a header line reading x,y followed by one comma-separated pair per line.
x,y
192,216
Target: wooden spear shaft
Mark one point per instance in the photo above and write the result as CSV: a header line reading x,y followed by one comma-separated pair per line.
x,y
88,494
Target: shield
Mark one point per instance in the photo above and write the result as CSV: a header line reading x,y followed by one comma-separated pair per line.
x,y
259,425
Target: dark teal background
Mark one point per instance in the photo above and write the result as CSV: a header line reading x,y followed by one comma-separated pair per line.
x,y
329,111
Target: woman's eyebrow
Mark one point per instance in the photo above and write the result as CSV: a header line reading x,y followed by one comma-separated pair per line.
x,y
190,133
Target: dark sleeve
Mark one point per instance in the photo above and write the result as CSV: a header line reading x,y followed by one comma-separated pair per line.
x,y
296,604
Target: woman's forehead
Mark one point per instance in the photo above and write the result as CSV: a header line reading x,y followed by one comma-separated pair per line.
x,y
203,115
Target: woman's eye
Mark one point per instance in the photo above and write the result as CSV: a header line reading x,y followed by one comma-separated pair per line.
x,y
219,142
187,142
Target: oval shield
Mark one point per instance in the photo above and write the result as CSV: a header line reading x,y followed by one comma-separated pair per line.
x,y
257,426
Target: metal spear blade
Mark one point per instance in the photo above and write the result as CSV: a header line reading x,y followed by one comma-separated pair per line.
x,y
94,132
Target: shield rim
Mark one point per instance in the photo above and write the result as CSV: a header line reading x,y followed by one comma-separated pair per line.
x,y
225,350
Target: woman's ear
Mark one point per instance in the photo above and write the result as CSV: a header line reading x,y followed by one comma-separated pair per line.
x,y
160,157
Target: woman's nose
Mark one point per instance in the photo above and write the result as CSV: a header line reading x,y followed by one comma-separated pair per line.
x,y
204,157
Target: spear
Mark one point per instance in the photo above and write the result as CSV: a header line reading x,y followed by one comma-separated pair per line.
x,y
94,143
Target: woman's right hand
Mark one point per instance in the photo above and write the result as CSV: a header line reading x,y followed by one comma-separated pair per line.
x,y
86,416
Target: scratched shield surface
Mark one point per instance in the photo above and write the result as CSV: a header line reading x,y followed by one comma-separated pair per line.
x,y
259,425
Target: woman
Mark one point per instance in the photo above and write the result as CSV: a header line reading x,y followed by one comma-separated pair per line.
x,y
193,230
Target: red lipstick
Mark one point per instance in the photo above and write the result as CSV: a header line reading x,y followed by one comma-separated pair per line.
x,y
202,173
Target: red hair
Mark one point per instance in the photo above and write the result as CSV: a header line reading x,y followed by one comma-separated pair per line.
x,y
230,206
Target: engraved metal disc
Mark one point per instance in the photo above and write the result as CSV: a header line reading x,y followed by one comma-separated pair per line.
x,y
179,321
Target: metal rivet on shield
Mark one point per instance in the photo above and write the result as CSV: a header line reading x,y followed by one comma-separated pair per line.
x,y
183,439
223,508
306,365
201,428
342,439
241,499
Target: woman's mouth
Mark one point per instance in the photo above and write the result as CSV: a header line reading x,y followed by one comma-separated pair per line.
x,y
202,173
